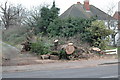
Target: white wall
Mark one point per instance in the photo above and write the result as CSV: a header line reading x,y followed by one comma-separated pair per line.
x,y
114,27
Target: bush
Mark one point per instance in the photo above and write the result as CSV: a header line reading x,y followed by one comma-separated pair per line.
x,y
97,34
62,54
40,48
68,27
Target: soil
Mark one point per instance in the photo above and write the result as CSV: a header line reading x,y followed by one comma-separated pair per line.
x,y
29,60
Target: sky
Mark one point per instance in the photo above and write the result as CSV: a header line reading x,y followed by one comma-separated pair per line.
x,y
65,4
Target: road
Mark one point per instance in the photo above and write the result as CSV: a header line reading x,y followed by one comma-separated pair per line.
x,y
102,71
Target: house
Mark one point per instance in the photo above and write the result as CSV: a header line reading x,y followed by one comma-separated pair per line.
x,y
87,11
117,16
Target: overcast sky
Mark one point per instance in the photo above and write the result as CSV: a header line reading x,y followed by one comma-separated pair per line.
x,y
65,4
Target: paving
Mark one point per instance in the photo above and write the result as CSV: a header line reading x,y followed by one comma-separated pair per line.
x,y
52,65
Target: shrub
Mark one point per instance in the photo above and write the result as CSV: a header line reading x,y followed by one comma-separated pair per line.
x,y
40,48
97,34
68,27
63,55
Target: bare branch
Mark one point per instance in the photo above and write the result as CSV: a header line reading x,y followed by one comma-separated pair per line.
x,y
11,14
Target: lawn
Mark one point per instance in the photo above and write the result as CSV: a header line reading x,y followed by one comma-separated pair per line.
x,y
118,47
111,47
118,51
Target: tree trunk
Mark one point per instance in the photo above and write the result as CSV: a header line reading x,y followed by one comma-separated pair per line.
x,y
114,41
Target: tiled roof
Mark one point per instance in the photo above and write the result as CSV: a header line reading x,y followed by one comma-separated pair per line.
x,y
78,10
117,15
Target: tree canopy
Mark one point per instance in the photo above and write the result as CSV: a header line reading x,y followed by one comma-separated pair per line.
x,y
45,20
44,17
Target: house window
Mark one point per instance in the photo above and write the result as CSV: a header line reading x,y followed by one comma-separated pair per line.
x,y
112,24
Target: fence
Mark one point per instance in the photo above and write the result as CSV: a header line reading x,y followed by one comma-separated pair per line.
x,y
112,51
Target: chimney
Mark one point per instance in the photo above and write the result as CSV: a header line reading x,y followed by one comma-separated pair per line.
x,y
86,5
78,3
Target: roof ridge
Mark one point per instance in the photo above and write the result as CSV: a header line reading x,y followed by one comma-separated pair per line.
x,y
71,9
77,10
83,11
109,16
80,9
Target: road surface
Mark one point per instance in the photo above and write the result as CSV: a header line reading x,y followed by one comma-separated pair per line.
x,y
102,71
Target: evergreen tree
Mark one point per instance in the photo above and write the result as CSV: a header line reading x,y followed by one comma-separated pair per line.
x,y
54,11
48,16
41,18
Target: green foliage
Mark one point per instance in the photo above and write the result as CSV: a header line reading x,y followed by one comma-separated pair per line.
x,y
97,34
42,45
42,17
48,16
62,54
47,22
110,47
68,27
55,28
39,48
54,11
